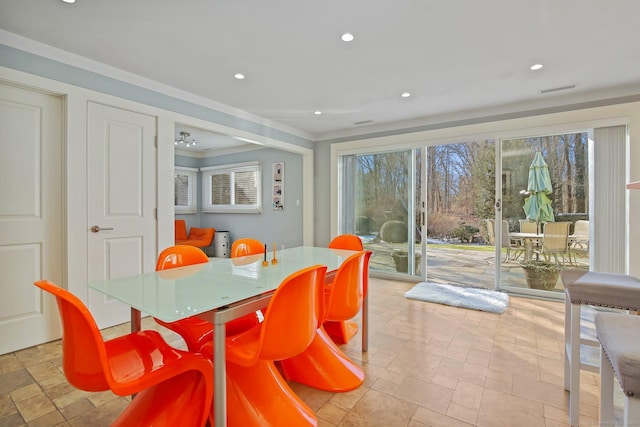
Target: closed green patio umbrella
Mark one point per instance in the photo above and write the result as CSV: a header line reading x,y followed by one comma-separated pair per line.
x,y
537,206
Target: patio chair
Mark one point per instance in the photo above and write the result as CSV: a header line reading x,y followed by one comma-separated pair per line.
x,y
515,245
491,235
527,226
555,242
579,242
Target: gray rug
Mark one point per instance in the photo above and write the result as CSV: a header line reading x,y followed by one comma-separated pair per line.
x,y
460,296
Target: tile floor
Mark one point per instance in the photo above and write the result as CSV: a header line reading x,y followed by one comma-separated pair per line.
x,y
427,365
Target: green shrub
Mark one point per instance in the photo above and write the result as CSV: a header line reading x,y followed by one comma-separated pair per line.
x,y
464,232
394,232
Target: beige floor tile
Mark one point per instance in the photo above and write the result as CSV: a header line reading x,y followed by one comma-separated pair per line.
x,y
35,406
379,409
436,419
504,410
463,413
9,363
468,395
332,414
15,380
7,407
426,394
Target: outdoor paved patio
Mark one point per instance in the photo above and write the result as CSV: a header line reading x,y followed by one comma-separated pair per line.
x,y
454,264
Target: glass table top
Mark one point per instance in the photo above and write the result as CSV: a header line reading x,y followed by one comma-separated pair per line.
x,y
186,291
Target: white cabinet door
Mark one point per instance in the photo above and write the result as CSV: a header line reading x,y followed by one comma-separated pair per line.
x,y
30,215
121,161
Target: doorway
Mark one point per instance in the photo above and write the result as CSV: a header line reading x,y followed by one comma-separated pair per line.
x,y
31,197
122,203
528,248
381,203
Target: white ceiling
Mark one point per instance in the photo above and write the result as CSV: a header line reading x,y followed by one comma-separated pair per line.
x,y
464,57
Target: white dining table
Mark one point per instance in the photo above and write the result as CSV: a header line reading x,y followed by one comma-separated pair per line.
x,y
218,291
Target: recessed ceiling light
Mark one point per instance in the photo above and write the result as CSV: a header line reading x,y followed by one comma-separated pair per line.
x,y
239,76
405,94
69,1
535,67
317,113
347,37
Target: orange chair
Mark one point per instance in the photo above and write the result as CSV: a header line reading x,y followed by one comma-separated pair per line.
x,y
342,331
246,246
172,387
198,237
346,241
257,395
323,365
194,330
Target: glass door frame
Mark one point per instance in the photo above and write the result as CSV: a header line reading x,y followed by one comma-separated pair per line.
x,y
346,219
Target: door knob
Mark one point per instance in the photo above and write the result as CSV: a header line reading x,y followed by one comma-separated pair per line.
x,y
96,228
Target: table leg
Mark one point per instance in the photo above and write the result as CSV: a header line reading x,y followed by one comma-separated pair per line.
x,y
365,323
136,320
219,372
136,325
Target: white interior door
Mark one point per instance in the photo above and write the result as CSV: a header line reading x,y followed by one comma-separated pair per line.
x,y
30,215
122,201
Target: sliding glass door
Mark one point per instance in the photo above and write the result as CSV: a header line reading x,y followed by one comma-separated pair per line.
x,y
544,211
381,204
465,212
460,182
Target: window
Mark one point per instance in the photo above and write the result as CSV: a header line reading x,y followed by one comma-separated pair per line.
x,y
232,188
184,190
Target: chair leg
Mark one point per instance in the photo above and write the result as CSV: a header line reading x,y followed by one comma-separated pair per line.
x,y
340,331
606,390
180,400
324,366
259,396
574,368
